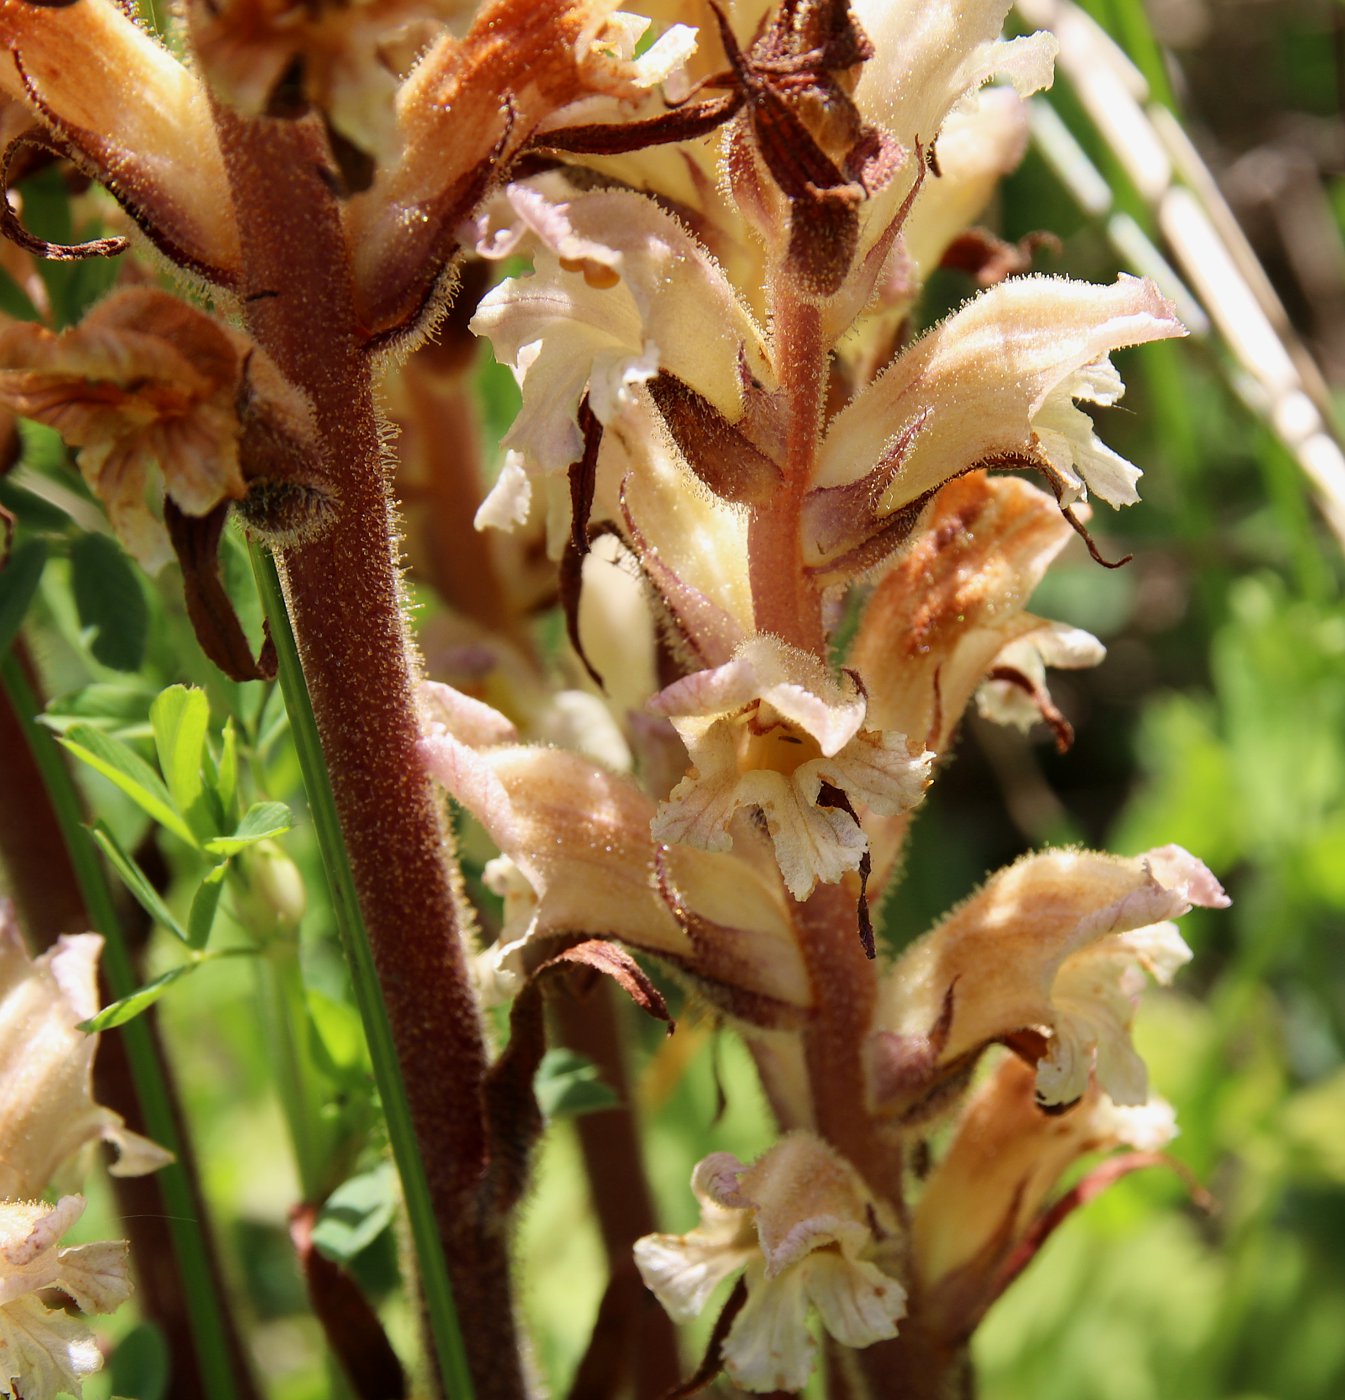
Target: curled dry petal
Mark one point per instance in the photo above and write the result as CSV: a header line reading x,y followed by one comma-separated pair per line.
x,y
1057,943
1005,1160
804,1227
133,117
146,381
579,836
46,1067
47,1352
982,379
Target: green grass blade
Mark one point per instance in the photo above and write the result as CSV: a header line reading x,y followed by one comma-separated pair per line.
x,y
135,880
124,767
261,822
442,1316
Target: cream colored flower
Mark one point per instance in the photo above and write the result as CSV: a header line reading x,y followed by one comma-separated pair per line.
x,y
802,1225
44,1351
1065,436
582,861
619,291
973,1226
1094,997
767,730
931,57
990,385
1059,944
46,1067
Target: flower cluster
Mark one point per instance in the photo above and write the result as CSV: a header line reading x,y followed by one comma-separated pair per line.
x,y
712,349
791,537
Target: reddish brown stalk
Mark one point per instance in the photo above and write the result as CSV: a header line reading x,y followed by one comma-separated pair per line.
x,y
784,600
642,1343
346,608
45,890
787,604
845,988
915,1366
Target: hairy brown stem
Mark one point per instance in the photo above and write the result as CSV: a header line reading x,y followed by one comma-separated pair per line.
x,y
45,890
784,601
345,604
645,1342
845,988
786,604
915,1366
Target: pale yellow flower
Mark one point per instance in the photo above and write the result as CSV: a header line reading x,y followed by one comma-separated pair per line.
x,y
583,862
768,730
802,1225
44,1351
46,1067
1059,946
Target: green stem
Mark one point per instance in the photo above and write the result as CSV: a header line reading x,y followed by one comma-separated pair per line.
x,y
280,989
442,1317
206,1306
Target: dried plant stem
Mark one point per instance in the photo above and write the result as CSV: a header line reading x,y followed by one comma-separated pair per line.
x,y
642,1347
345,606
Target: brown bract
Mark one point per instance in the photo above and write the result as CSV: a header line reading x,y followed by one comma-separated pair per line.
x,y
802,137
131,116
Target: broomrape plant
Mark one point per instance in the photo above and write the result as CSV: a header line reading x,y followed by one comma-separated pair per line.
x,y
791,541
